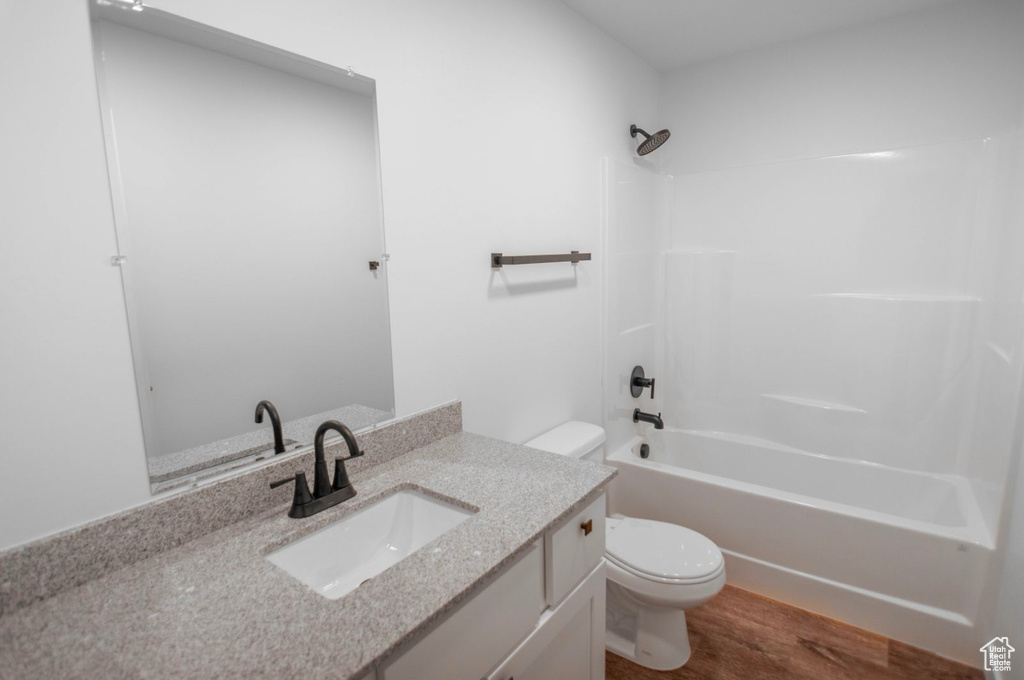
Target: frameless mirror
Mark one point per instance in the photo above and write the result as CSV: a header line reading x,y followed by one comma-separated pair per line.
x,y
247,203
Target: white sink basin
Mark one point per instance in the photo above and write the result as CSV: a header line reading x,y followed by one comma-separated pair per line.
x,y
336,559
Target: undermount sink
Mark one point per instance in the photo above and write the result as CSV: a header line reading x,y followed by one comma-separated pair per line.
x,y
334,560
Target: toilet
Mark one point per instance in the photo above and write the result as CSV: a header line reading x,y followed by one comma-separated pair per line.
x,y
656,570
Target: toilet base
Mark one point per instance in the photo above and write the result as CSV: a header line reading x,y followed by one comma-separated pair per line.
x,y
650,636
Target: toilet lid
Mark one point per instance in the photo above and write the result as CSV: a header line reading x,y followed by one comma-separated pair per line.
x,y
662,550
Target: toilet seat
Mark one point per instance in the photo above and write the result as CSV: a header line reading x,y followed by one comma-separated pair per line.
x,y
662,552
625,568
648,591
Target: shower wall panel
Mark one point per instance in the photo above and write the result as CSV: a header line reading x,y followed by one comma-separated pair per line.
x,y
833,304
635,234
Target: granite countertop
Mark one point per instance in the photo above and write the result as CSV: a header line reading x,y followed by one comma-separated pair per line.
x,y
214,607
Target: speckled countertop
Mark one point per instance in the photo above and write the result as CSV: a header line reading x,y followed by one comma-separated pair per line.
x,y
215,608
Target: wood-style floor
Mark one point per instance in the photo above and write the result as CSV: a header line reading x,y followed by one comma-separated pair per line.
x,y
742,636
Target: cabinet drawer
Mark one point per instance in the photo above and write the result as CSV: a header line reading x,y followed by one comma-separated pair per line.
x,y
470,642
571,552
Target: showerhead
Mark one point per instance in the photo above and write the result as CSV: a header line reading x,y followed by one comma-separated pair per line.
x,y
651,142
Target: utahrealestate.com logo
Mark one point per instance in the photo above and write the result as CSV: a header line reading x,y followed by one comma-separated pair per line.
x,y
997,654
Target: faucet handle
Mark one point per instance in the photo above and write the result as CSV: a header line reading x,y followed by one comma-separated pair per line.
x,y
637,382
302,495
341,474
341,480
358,454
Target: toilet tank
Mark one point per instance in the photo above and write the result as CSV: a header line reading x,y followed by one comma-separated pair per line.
x,y
574,439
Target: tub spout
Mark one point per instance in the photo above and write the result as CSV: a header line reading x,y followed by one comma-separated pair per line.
x,y
655,420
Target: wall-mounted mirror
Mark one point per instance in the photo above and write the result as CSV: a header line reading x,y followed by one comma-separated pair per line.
x,y
247,202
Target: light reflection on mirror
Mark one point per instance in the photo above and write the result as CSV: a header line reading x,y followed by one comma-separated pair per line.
x,y
247,202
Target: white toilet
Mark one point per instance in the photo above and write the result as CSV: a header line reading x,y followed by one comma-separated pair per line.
x,y
656,570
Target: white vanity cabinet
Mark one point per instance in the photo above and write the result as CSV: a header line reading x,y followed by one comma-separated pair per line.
x,y
542,618
568,642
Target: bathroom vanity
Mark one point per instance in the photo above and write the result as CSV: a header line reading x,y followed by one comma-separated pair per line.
x,y
543,617
515,590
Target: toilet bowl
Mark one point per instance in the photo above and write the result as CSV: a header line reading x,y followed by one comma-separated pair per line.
x,y
656,570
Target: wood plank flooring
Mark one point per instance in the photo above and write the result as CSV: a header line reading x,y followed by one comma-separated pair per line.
x,y
739,635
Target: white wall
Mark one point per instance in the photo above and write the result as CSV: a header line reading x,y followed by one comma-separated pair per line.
x,y
72,442
931,76
493,119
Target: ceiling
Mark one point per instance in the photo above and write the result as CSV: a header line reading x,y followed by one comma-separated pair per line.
x,y
669,34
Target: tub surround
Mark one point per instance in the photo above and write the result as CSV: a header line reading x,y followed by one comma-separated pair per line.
x,y
41,569
215,607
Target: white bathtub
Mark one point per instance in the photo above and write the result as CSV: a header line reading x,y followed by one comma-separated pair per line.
x,y
897,552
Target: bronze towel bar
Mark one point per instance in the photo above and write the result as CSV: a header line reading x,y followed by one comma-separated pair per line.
x,y
498,260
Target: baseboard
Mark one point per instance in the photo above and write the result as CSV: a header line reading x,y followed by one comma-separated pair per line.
x,y
942,632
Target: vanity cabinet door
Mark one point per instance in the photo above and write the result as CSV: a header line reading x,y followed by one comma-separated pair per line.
x,y
483,631
568,643
568,655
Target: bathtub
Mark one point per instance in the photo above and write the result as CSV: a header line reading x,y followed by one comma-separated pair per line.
x,y
897,552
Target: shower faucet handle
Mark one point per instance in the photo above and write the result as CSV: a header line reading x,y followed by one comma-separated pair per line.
x,y
637,382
